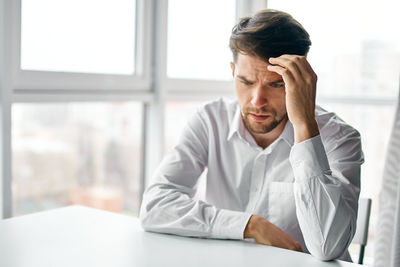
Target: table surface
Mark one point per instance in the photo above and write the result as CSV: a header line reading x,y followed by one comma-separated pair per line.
x,y
80,236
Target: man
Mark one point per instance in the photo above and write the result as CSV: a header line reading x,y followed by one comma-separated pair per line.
x,y
281,170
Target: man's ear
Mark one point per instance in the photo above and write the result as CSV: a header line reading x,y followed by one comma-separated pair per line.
x,y
233,69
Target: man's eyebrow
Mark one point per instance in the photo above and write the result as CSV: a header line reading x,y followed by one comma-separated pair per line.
x,y
244,79
275,82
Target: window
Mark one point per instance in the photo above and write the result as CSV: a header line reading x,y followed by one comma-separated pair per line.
x,y
198,38
66,152
361,58
78,36
80,45
77,153
80,73
177,115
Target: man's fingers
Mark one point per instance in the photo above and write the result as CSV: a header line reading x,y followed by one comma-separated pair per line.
x,y
301,60
298,247
287,76
296,63
291,64
289,242
294,245
269,234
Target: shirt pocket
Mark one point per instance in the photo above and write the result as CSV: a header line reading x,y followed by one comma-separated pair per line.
x,y
281,209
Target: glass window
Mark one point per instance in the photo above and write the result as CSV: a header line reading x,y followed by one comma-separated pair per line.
x,y
76,153
177,115
355,50
85,36
198,39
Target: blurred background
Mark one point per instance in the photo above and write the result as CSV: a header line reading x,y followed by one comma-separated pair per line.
x,y
96,92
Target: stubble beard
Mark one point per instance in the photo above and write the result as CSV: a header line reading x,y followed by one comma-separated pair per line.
x,y
260,127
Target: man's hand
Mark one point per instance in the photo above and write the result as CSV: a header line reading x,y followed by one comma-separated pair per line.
x,y
267,233
300,85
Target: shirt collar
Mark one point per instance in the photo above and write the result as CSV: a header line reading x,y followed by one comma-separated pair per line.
x,y
236,125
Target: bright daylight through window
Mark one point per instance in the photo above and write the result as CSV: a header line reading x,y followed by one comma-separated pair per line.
x,y
77,153
198,47
78,36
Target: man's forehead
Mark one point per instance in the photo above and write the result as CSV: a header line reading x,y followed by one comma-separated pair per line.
x,y
251,61
250,67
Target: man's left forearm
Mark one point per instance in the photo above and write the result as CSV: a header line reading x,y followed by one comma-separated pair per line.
x,y
305,131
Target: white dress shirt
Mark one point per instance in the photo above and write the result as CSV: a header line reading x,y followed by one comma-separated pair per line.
x,y
310,190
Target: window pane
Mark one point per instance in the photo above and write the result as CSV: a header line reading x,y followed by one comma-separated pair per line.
x,y
355,48
198,39
86,36
177,115
374,124
76,153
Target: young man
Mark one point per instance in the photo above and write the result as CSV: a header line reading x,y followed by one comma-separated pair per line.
x,y
281,170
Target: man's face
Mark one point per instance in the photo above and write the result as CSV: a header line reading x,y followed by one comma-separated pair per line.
x,y
261,94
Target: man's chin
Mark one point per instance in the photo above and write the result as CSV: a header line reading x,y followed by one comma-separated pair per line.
x,y
261,131
260,127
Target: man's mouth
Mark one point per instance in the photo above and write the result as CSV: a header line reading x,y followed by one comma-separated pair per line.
x,y
258,117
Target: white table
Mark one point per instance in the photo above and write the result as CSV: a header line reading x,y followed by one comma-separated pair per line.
x,y
79,236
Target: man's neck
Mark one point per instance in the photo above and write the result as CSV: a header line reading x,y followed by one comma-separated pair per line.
x,y
264,140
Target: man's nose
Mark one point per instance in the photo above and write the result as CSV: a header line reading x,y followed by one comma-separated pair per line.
x,y
258,98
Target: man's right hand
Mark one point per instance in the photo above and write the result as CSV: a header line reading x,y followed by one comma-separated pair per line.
x,y
269,234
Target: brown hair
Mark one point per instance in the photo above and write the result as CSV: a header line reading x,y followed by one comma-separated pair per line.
x,y
269,33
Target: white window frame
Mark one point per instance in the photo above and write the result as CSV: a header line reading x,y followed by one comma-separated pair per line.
x,y
23,86
5,108
45,80
200,88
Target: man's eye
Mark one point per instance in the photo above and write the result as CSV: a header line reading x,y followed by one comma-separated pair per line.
x,y
277,85
246,82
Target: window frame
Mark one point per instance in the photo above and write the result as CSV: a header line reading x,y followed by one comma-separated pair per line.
x,y
178,86
24,86
53,81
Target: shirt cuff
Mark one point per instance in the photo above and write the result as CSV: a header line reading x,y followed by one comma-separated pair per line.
x,y
308,158
230,224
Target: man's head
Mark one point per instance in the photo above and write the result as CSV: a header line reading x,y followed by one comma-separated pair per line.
x,y
269,33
